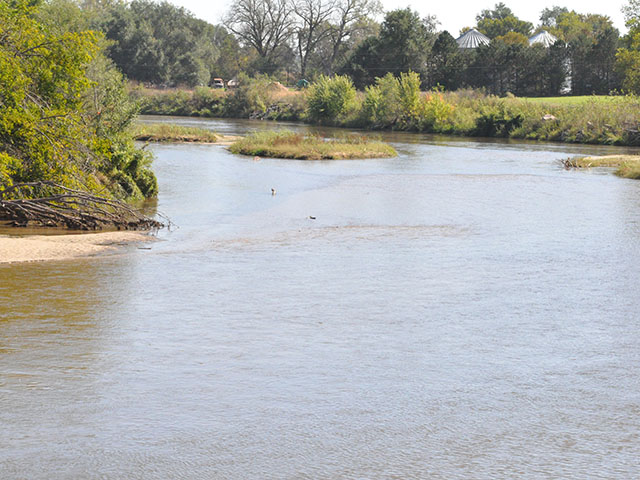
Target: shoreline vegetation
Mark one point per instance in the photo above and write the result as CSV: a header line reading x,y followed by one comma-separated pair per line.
x,y
67,157
627,166
167,133
397,103
296,146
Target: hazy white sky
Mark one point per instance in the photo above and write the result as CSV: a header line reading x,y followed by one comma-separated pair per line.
x,y
453,15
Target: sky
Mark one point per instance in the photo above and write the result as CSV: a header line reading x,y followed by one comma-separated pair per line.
x,y
453,15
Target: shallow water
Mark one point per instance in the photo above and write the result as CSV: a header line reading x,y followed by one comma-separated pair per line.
x,y
466,310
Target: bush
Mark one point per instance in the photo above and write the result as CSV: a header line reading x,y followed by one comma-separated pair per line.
x,y
409,98
497,120
330,98
381,105
435,114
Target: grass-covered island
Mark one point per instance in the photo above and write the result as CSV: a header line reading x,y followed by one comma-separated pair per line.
x,y
297,146
167,133
628,166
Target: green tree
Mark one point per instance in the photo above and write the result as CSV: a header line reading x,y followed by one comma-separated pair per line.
x,y
500,21
446,63
549,16
628,56
64,114
405,41
592,41
362,65
403,45
159,43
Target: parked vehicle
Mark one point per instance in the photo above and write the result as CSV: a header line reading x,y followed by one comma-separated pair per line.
x,y
217,83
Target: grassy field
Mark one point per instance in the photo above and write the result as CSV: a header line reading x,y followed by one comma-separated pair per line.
x,y
580,100
285,144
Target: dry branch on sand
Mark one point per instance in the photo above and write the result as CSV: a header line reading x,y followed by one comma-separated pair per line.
x,y
64,207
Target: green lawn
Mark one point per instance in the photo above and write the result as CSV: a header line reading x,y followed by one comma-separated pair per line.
x,y
580,100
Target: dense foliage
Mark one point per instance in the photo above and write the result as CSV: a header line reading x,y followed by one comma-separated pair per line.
x,y
403,44
628,57
581,61
330,98
399,103
64,111
500,21
161,45
151,42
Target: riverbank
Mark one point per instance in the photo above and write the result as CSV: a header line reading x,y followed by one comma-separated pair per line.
x,y
36,248
628,166
605,120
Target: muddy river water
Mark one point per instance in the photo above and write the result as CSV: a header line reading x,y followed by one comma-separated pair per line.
x,y
468,309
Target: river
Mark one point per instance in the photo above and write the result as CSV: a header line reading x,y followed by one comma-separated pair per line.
x,y
467,310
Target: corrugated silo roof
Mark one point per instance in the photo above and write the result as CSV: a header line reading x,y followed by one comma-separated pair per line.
x,y
544,38
472,39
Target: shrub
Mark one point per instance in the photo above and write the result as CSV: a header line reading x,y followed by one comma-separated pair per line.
x,y
497,120
381,105
409,98
435,114
330,98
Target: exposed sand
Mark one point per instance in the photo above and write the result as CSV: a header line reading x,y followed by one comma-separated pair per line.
x,y
34,248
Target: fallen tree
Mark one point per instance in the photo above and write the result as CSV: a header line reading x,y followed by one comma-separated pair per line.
x,y
49,204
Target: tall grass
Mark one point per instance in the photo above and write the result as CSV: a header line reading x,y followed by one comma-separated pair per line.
x,y
161,132
286,144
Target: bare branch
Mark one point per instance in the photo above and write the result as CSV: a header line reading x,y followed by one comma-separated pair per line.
x,y
69,208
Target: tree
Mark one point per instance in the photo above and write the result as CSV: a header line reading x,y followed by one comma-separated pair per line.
x,y
628,56
500,21
406,41
265,25
352,16
446,63
232,59
549,16
403,45
65,112
312,27
159,43
632,14
360,66
592,43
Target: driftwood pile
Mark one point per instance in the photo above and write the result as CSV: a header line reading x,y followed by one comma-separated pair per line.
x,y
65,207
569,163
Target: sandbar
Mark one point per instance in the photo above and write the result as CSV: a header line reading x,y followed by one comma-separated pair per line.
x,y
37,248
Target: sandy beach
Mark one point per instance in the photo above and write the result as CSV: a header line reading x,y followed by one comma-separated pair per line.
x,y
35,248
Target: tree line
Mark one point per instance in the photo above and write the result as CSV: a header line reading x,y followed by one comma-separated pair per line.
x,y
160,44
